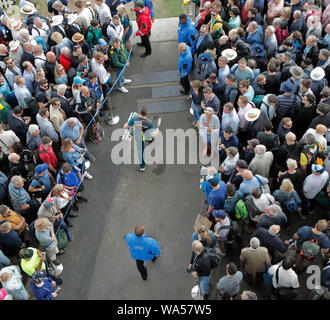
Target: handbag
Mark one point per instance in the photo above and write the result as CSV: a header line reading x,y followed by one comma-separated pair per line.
x,y
263,187
62,239
268,278
285,293
16,147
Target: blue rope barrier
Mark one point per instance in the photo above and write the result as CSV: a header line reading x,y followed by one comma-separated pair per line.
x,y
98,110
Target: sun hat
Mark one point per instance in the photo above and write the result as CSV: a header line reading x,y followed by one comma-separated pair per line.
x,y
288,87
258,49
317,74
77,37
15,25
28,9
230,54
57,20
252,115
13,45
297,72
56,37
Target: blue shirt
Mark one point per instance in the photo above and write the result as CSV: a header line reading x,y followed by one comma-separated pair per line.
x,y
247,185
18,196
70,132
305,234
44,292
216,198
46,181
70,179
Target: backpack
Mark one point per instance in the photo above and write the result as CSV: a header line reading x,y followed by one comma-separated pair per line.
x,y
310,248
241,211
104,28
62,239
257,100
92,32
98,131
322,44
36,157
33,105
214,257
291,205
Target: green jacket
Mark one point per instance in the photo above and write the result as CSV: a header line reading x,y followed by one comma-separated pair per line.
x,y
119,56
93,36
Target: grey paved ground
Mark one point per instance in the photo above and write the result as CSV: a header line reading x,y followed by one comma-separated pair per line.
x,y
165,198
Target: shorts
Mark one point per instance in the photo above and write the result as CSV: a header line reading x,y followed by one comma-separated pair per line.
x,y
128,34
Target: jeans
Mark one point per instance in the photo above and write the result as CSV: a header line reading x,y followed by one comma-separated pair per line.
x,y
65,227
305,205
204,282
121,79
83,145
4,261
196,111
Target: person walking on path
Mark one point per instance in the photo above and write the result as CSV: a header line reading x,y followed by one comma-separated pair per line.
x,y
143,248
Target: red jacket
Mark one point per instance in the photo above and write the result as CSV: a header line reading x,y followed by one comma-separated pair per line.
x,y
65,62
143,21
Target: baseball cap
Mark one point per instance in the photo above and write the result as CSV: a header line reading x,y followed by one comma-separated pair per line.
x,y
317,168
102,42
41,168
50,202
242,164
78,80
220,214
253,142
39,276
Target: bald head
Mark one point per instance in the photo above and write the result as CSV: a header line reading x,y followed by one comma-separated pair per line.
x,y
139,230
321,129
247,175
51,57
290,138
197,246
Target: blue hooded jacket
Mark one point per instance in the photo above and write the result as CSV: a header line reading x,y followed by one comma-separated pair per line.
x,y
185,62
142,248
187,34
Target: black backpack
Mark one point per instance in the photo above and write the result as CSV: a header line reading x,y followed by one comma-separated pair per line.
x,y
36,157
214,257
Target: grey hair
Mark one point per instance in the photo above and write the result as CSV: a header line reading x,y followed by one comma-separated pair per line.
x,y
260,149
33,128
36,19
274,208
15,180
72,120
274,229
61,88
65,50
250,295
4,18
57,4
182,45
254,243
277,21
291,164
310,139
297,13
24,32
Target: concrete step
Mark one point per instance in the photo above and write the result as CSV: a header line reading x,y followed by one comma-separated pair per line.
x,y
155,77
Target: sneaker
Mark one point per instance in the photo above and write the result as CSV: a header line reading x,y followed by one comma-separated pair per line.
x,y
82,199
123,90
87,175
56,262
145,54
91,158
127,81
75,207
140,44
142,169
72,214
146,275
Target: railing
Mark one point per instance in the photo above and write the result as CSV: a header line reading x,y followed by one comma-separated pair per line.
x,y
97,112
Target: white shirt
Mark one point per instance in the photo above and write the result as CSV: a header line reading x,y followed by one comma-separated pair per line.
x,y
44,31
85,17
318,137
313,184
100,71
9,138
264,201
286,278
39,61
104,13
241,115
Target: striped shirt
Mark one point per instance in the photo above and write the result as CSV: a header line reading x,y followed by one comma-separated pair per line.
x,y
18,196
286,105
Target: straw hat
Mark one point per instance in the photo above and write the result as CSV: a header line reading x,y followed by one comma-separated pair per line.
x,y
56,37
16,25
28,9
13,45
252,115
77,37
230,54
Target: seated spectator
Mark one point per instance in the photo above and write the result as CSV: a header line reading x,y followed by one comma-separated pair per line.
x,y
21,200
10,241
44,232
32,260
41,182
230,283
254,260
18,223
11,280
43,287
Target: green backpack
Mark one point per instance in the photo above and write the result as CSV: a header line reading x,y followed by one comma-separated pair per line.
x,y
62,239
240,210
257,100
310,248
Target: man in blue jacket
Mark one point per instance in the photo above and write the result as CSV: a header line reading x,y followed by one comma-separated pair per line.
x,y
187,32
184,64
142,248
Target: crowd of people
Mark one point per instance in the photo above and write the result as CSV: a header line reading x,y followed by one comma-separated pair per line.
x,y
55,79
258,72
